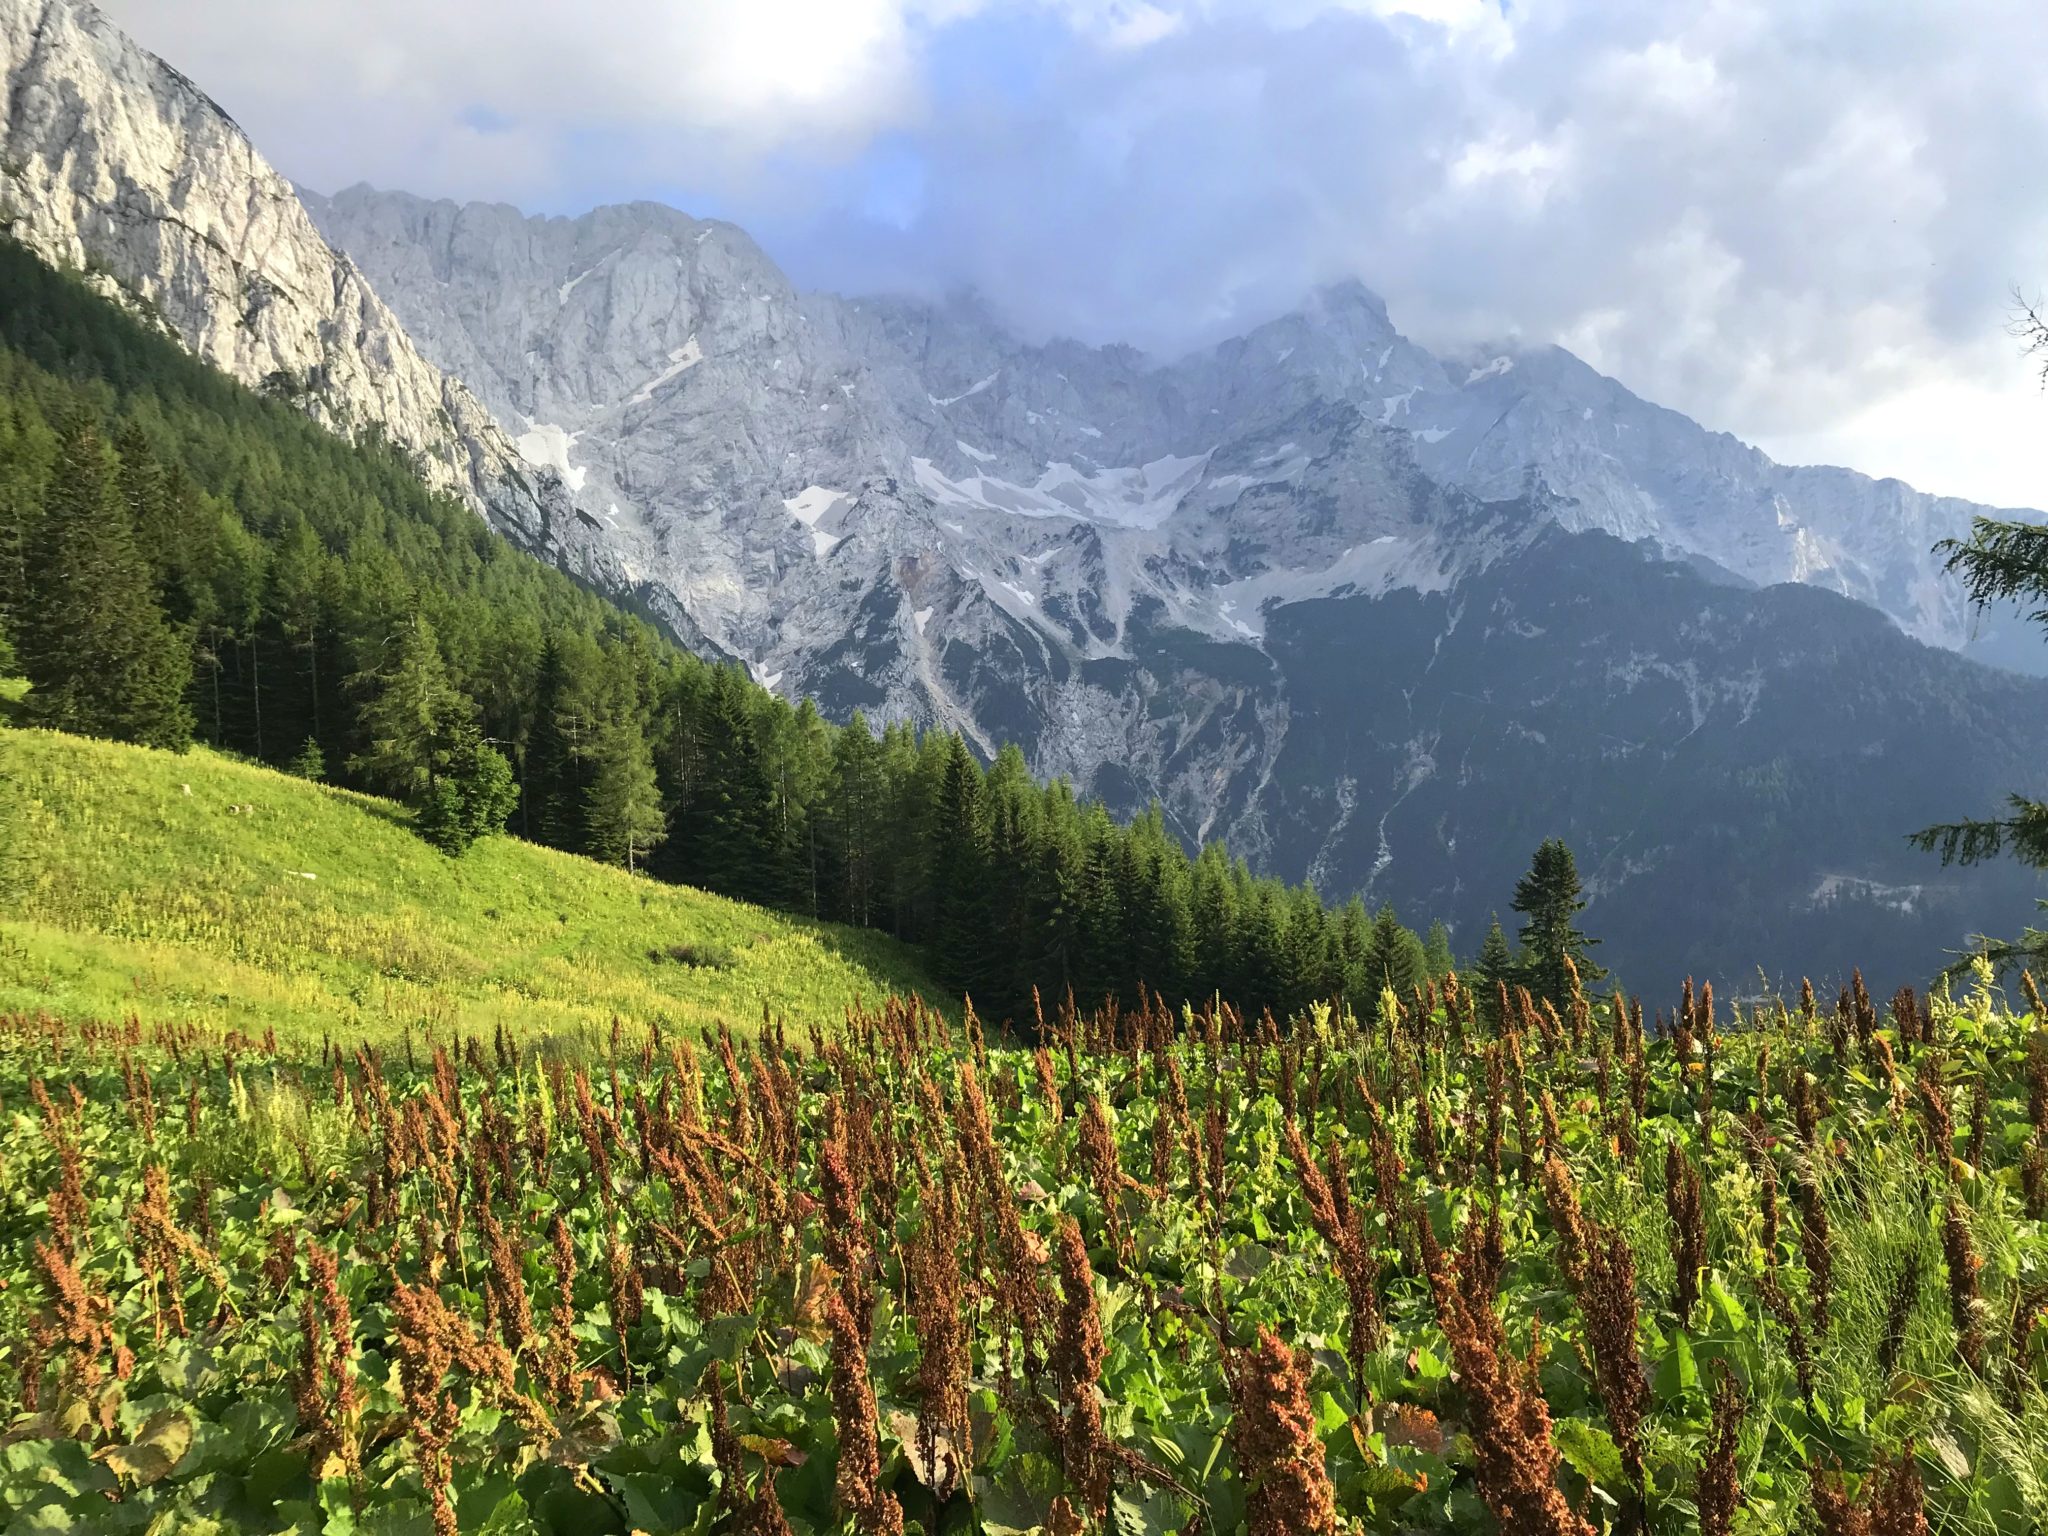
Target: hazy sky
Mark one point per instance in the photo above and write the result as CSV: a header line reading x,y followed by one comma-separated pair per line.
x,y
1800,221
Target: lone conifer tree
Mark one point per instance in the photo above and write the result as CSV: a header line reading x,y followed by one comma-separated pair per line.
x,y
471,795
91,636
2002,561
1548,896
1496,964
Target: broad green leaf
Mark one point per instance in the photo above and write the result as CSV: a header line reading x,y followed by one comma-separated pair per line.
x,y
155,1451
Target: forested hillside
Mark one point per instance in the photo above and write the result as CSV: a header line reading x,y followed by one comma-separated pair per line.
x,y
181,559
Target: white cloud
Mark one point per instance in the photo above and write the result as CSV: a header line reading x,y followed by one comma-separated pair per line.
x,y
395,90
1798,223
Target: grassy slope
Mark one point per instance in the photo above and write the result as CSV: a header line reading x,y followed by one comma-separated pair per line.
x,y
316,910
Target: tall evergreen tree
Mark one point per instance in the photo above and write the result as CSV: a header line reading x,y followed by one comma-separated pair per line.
x,y
552,799
412,714
855,829
470,796
960,872
1398,962
719,837
1495,966
92,637
623,815
1548,896
2002,561
1437,959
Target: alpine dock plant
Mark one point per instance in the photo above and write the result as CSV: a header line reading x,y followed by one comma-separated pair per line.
x,y
1465,1263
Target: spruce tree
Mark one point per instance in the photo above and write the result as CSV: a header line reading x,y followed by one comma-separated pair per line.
x,y
855,829
720,836
622,811
14,554
552,802
413,713
2002,561
1398,962
960,873
1437,959
1496,966
1354,956
1305,955
1548,896
92,637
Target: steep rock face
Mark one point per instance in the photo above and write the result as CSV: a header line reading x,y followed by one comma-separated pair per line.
x,y
1639,471
1315,590
112,161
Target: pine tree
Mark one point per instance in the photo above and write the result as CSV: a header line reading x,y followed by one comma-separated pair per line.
x,y
1305,964
552,801
413,713
719,838
1496,965
960,872
92,637
1437,959
855,829
14,555
1548,896
2002,561
311,763
622,811
1398,962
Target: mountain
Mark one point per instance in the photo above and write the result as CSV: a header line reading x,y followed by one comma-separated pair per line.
x,y
1282,585
113,162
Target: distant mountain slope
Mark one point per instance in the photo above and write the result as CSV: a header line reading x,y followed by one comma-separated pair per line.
x,y
200,888
1250,582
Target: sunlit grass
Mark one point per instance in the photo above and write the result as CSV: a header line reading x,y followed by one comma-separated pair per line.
x,y
200,888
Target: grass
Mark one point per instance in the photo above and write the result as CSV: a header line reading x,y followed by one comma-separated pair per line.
x,y
201,889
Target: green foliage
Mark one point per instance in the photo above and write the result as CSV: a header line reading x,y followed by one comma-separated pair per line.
x,y
414,714
92,639
631,1283
311,763
2001,561
622,811
471,797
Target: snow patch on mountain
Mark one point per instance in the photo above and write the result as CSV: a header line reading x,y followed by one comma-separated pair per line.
x,y
680,362
973,389
546,446
813,504
1141,496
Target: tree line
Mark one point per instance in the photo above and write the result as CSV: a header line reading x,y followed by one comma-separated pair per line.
x,y
182,559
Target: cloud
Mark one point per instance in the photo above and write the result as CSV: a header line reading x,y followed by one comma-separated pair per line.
x,y
1798,223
